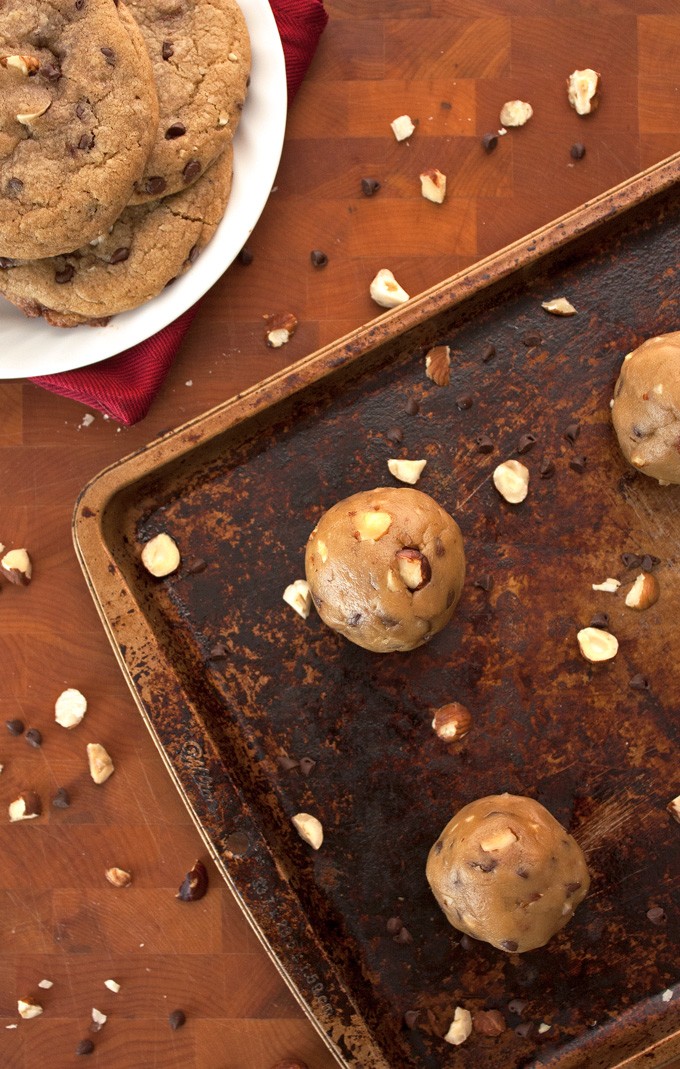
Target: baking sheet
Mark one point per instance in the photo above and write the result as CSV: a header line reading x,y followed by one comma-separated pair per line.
x,y
232,682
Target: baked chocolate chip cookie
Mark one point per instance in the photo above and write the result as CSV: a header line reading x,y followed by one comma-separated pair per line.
x,y
147,247
200,52
78,116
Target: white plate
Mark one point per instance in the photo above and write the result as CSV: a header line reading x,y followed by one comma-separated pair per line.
x,y
31,347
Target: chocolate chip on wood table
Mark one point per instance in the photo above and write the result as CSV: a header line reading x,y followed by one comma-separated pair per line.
x,y
369,186
318,258
15,726
489,142
577,151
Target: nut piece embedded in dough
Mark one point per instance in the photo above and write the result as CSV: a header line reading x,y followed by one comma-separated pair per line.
x,y
460,1028
559,306
372,525
582,89
433,185
451,722
515,113
297,595
28,117
118,877
16,566
160,556
511,479
28,1008
402,127
70,708
644,592
407,471
500,841
280,327
24,64
386,291
597,645
309,828
25,807
438,365
414,568
101,765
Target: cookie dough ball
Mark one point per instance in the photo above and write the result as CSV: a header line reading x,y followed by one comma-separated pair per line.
x,y
505,871
385,568
646,409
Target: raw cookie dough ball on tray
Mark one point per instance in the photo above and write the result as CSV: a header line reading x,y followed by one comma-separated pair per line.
x,y
505,871
646,409
386,568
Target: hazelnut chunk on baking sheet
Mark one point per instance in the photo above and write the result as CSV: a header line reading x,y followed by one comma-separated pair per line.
x,y
433,185
644,592
70,708
279,329
407,471
511,479
386,291
99,761
452,721
297,594
582,90
460,1027
516,113
402,127
559,306
371,525
160,556
309,828
597,645
438,365
16,566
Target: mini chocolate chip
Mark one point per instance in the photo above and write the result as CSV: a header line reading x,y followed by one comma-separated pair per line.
x,y
61,799
307,765
466,942
394,434
600,620
484,866
445,105
194,252
649,562
191,170
79,5
218,652
14,187
656,915
412,406
51,71
510,944
120,255
86,141
245,256
572,431
354,620
109,55
517,1005
176,130
33,738
489,142
438,846
403,937
522,873
176,1019
484,582
531,338
488,354
570,888
394,925
15,727
524,1029
167,50
81,110
439,548
86,1046
578,463
369,186
411,1018
484,444
318,258
631,560
546,468
65,274
154,185
464,402
639,682
526,442
577,151
5,262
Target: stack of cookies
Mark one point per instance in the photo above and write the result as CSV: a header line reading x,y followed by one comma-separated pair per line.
x,y
116,128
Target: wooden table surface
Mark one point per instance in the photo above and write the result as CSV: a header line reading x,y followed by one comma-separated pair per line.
x,y
450,65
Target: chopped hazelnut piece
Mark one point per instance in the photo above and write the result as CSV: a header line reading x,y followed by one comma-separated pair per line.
x,y
644,592
16,566
438,365
298,596
609,586
371,526
26,807
582,89
597,645
118,877
70,708
279,329
386,291
160,556
673,808
24,64
414,568
511,479
101,765
500,841
515,113
402,127
309,828
451,721
460,1027
433,185
559,306
28,1008
407,471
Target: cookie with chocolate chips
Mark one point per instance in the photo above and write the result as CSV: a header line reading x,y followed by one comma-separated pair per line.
x,y
78,116
200,52
147,247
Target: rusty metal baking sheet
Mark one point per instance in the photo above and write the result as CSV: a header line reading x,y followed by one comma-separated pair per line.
x,y
234,684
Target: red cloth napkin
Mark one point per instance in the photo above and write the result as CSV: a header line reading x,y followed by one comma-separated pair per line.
x,y
124,386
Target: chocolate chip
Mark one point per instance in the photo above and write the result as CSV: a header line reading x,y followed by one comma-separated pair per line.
x,y
195,566
79,5
531,338
318,258
33,738
191,170
656,915
578,463
488,354
355,619
639,682
245,256
572,431
570,888
176,130
526,442
394,925
50,71
466,942
484,582
154,185
61,799
600,620
546,468
81,110
218,652
369,186
509,944
109,55
445,105
86,1046
649,562
394,434
438,846
120,255
484,443
411,1018
403,937
484,866
15,727
5,263
65,274
524,1028
412,406
307,765
631,560
522,873
14,187
86,142
464,402
489,142
577,151
517,1005
167,50
176,1019
193,254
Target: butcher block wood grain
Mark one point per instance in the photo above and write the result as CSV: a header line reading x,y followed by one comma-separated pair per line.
x,y
450,66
